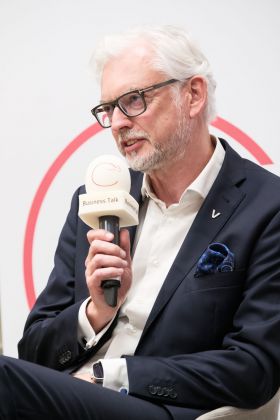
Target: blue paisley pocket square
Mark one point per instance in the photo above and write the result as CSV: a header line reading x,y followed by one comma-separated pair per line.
x,y
216,258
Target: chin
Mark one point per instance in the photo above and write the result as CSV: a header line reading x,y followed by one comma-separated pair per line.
x,y
142,164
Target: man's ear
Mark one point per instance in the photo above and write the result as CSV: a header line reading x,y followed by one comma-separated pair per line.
x,y
198,95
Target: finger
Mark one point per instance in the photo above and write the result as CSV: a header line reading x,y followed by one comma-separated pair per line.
x,y
105,273
125,242
97,234
101,234
105,248
103,261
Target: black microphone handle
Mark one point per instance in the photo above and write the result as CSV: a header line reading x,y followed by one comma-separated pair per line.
x,y
110,286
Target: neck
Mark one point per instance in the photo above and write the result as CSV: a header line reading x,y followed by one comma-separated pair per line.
x,y
170,181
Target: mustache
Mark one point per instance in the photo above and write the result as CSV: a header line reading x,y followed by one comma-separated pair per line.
x,y
131,135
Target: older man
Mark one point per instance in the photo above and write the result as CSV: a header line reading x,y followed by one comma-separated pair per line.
x,y
196,325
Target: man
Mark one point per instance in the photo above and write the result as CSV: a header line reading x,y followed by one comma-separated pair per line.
x,y
197,320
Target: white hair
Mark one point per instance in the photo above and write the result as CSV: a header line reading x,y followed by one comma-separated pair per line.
x,y
176,55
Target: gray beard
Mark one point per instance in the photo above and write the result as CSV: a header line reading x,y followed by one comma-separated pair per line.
x,y
147,163
173,151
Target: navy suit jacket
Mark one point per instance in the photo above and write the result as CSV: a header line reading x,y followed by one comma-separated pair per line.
x,y
209,341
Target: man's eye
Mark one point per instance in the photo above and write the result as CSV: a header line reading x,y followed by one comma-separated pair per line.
x,y
133,100
107,108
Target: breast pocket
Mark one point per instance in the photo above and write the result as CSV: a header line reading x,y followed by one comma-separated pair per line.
x,y
216,297
217,280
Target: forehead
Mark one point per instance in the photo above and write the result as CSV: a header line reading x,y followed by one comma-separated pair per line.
x,y
131,69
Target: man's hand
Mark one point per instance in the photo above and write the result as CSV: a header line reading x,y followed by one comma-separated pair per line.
x,y
83,376
106,260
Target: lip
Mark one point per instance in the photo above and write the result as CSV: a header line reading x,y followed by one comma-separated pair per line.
x,y
136,145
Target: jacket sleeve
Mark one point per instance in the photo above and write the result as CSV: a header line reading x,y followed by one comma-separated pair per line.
x,y
50,333
244,370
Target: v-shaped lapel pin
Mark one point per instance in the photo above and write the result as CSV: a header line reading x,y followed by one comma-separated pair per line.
x,y
214,214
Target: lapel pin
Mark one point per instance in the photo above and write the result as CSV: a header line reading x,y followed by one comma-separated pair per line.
x,y
214,214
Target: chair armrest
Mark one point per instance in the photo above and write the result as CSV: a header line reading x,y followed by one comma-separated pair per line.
x,y
268,411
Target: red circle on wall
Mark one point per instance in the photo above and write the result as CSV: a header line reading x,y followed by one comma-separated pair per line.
x,y
221,124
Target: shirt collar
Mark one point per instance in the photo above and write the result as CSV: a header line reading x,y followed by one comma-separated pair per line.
x,y
204,181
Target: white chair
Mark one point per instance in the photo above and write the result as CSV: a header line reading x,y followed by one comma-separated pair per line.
x,y
268,411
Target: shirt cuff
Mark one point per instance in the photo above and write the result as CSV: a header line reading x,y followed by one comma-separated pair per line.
x,y
115,374
86,334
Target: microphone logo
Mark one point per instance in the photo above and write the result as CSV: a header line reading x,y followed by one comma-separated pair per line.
x,y
106,174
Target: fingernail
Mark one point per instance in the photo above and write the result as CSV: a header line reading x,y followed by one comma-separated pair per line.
x,y
109,236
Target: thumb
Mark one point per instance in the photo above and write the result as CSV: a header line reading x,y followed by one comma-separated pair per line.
x,y
125,242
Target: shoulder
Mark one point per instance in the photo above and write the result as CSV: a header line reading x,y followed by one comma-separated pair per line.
x,y
253,172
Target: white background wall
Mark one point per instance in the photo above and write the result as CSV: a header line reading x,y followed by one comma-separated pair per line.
x,y
46,93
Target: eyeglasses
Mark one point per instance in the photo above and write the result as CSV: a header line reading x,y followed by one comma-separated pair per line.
x,y
131,104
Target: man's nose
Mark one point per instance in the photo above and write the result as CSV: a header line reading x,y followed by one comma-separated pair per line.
x,y
120,120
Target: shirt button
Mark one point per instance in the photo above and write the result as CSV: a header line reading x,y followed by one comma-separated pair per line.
x,y
155,262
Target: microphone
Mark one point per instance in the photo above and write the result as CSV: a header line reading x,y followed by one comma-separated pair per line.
x,y
108,205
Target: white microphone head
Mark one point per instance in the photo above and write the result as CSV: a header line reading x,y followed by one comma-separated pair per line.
x,y
107,193
107,172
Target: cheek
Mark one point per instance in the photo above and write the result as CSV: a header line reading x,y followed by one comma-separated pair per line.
x,y
115,134
164,128
168,120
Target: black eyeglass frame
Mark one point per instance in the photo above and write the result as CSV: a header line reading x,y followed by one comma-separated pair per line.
x,y
141,92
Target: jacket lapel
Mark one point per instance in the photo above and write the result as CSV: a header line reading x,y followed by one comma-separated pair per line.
x,y
136,184
224,198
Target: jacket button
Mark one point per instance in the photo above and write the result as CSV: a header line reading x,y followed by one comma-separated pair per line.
x,y
172,394
165,391
152,389
160,391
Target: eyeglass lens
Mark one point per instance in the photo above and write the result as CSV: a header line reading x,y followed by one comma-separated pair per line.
x,y
131,104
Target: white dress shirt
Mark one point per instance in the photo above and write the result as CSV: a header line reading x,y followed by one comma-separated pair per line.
x,y
159,236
